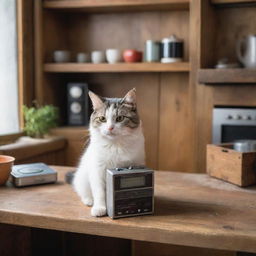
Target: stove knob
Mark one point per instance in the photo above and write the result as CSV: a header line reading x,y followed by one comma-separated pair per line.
x,y
229,117
248,118
238,117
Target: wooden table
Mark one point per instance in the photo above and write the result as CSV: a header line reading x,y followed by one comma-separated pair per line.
x,y
190,209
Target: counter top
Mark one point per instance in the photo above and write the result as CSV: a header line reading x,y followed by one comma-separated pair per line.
x,y
190,209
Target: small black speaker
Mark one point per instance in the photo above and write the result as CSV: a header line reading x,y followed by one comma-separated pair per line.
x,y
78,104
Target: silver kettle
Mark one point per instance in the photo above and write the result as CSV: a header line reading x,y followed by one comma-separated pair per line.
x,y
248,57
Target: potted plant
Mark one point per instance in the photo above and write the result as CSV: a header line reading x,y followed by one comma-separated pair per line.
x,y
39,120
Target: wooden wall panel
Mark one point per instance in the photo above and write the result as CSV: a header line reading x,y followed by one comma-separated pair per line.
x,y
203,100
77,138
25,52
14,240
174,131
81,244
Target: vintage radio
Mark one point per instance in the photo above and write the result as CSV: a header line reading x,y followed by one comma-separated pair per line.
x,y
78,104
130,192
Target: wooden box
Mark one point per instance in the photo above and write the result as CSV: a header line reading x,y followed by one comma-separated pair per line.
x,y
230,165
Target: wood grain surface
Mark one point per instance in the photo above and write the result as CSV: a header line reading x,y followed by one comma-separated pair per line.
x,y
117,5
190,209
118,67
227,76
77,138
28,150
232,1
225,163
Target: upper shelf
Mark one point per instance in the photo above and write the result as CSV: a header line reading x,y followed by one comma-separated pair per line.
x,y
116,5
119,67
227,76
231,2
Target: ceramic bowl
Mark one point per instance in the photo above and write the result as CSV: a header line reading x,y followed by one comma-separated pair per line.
x,y
6,163
131,55
113,56
61,56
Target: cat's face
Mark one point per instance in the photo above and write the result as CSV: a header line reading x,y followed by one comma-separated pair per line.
x,y
114,117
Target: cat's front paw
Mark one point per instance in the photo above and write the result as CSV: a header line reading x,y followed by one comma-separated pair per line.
x,y
98,211
87,201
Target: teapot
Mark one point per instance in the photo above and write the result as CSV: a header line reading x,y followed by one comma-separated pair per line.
x,y
248,57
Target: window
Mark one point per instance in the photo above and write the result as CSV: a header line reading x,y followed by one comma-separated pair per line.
x,y
9,106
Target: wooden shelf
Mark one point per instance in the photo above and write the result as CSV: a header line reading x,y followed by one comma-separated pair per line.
x,y
230,2
117,5
227,76
120,67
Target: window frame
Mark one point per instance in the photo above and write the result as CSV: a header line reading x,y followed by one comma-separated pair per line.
x,y
25,41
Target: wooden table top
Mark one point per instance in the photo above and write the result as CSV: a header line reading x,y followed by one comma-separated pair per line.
x,y
190,209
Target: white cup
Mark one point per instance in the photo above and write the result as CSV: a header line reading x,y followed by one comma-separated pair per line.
x,y
82,57
98,57
113,56
61,56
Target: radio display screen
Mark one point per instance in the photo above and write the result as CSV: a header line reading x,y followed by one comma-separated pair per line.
x,y
131,182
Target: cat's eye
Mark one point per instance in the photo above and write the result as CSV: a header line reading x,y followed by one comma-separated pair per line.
x,y
102,119
119,119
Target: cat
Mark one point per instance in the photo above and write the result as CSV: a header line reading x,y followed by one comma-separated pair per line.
x,y
116,140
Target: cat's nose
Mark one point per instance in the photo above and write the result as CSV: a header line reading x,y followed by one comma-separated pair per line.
x,y
110,128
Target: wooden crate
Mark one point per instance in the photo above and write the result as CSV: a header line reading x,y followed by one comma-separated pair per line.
x,y
232,166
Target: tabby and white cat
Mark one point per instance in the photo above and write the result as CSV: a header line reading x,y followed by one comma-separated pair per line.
x,y
116,140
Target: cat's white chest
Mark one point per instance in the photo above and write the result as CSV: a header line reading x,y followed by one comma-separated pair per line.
x,y
121,156
113,155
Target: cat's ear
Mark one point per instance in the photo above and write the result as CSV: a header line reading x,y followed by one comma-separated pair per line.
x,y
130,97
97,102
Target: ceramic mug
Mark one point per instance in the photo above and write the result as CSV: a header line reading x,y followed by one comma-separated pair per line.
x,y
98,57
113,56
61,56
152,51
248,57
82,57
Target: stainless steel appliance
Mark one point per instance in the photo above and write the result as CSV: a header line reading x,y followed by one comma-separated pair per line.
x,y
130,192
32,174
230,124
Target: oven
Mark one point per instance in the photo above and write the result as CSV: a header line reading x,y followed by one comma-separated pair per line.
x,y
230,124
